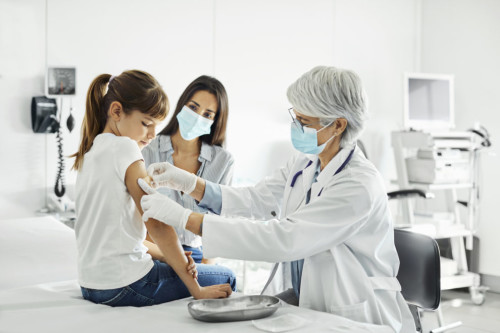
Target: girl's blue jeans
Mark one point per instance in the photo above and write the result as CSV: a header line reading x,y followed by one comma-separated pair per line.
x,y
160,285
197,254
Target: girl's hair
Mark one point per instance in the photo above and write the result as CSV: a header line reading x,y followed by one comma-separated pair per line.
x,y
210,84
135,90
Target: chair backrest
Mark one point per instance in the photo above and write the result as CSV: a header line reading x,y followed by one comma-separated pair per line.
x,y
420,270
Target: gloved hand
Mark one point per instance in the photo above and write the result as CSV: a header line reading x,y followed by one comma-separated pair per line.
x,y
166,174
160,207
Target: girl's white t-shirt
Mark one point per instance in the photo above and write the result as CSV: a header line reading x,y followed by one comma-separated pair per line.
x,y
109,229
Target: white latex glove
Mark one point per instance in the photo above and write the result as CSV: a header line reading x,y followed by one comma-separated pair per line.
x,y
168,175
160,207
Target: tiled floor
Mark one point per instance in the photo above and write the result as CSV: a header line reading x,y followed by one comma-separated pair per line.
x,y
457,306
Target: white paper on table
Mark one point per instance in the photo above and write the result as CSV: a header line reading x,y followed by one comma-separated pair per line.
x,y
281,323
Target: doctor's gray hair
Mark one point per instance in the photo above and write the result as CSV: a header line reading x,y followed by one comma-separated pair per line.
x,y
330,93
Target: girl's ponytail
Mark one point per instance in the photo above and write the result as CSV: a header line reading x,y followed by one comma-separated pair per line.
x,y
95,117
133,89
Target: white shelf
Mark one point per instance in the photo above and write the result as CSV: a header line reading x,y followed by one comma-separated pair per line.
x,y
452,231
424,186
454,144
440,233
430,187
452,134
462,280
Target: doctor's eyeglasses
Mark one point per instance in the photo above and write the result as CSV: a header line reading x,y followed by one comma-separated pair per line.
x,y
297,122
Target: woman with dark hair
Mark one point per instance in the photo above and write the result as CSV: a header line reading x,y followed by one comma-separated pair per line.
x,y
192,141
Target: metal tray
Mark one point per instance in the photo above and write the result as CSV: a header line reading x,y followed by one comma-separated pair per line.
x,y
234,309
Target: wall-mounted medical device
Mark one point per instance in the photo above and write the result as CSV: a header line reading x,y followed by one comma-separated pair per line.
x,y
44,115
60,81
428,102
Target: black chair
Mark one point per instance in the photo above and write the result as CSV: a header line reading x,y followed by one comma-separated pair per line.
x,y
419,272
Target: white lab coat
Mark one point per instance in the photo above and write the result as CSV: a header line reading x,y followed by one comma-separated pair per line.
x,y
345,236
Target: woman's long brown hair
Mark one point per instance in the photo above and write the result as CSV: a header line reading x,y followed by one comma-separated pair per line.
x,y
133,89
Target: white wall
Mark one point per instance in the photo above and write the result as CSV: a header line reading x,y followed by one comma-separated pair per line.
x,y
261,47
378,39
255,48
461,38
22,60
166,38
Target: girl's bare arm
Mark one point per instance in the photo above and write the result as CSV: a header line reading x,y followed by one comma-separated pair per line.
x,y
166,238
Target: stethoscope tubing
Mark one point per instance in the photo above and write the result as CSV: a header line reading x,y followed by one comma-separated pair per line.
x,y
300,172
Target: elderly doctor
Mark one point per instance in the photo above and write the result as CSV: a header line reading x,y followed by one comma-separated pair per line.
x,y
325,211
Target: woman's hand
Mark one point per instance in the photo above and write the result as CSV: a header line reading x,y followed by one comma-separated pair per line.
x,y
191,266
215,291
166,174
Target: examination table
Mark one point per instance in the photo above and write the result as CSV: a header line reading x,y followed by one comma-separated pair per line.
x,y
39,293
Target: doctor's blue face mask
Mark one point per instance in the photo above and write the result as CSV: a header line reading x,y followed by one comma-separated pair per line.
x,y
305,139
192,125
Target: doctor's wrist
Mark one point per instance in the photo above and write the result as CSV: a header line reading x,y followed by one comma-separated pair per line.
x,y
194,223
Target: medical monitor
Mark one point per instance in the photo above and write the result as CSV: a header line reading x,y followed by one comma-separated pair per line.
x,y
428,101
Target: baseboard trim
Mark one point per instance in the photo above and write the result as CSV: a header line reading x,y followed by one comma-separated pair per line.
x,y
491,281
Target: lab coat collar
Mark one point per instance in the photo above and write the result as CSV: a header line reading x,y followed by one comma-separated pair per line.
x,y
335,163
165,143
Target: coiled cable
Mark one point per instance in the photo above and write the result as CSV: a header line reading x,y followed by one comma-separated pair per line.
x,y
59,187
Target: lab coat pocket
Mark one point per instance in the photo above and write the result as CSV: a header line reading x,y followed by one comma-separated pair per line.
x,y
357,312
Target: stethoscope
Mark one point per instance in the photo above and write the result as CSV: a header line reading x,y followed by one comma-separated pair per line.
x,y
294,179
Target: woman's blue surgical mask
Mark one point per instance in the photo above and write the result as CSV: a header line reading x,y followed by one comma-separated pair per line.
x,y
192,125
306,141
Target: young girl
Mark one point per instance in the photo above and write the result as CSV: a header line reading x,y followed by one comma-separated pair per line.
x,y
114,266
193,141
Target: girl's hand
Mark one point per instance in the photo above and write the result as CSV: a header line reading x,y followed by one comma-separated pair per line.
x,y
215,291
191,266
